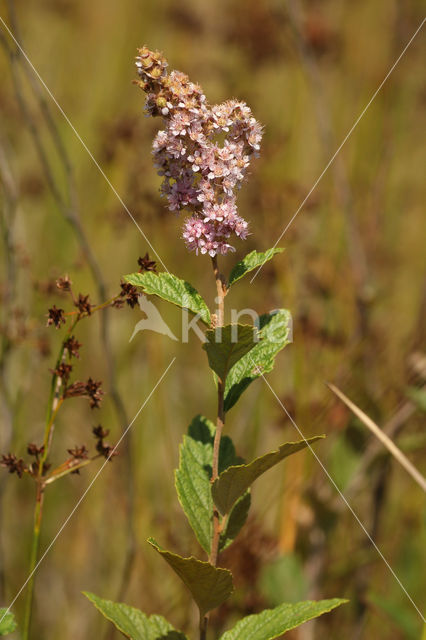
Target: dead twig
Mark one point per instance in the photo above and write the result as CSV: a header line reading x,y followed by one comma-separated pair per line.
x,y
380,435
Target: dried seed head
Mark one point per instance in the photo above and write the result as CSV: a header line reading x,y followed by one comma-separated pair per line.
x,y
100,432
106,450
13,464
79,453
56,317
89,389
63,371
83,304
64,283
34,450
72,346
129,293
94,392
146,264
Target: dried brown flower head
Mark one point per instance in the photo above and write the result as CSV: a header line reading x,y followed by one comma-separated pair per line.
x,y
94,392
63,371
72,346
100,432
118,303
90,389
13,464
129,293
79,453
146,264
64,283
106,450
83,304
55,316
34,450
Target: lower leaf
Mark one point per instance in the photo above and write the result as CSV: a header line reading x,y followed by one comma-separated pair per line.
x,y
7,622
272,623
209,586
133,623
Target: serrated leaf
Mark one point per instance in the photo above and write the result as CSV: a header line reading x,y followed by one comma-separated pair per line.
x,y
272,623
236,521
226,345
274,334
234,481
192,478
7,622
133,623
209,585
251,261
173,289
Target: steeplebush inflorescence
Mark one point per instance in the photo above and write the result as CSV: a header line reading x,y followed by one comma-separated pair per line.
x,y
202,153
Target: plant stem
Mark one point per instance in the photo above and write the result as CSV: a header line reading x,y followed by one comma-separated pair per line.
x,y
53,406
203,627
214,552
215,470
70,466
221,292
38,512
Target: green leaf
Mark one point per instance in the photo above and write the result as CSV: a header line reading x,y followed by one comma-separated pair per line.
x,y
173,289
274,333
209,586
133,623
236,521
226,345
251,261
234,481
192,478
272,623
7,622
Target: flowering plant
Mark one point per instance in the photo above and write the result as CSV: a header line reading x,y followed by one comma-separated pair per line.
x,y
213,484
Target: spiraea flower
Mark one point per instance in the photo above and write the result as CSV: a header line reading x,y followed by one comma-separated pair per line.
x,y
202,153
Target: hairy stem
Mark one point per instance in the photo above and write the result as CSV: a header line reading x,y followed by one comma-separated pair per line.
x,y
221,291
214,553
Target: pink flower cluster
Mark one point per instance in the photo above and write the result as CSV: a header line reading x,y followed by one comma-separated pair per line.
x,y
202,153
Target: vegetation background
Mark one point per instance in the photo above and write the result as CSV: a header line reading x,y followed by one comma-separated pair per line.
x,y
351,276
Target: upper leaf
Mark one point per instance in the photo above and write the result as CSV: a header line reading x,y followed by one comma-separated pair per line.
x,y
209,585
234,482
7,622
251,261
133,623
173,289
274,333
192,478
272,623
226,345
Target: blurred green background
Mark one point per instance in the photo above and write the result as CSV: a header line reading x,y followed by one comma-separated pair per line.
x,y
351,275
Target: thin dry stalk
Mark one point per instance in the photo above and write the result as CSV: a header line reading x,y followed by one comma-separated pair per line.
x,y
380,435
